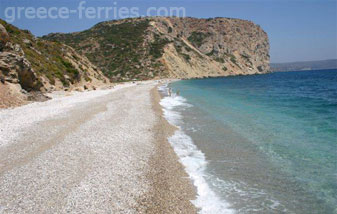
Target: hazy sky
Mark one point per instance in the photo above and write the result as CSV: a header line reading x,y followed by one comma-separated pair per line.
x,y
298,30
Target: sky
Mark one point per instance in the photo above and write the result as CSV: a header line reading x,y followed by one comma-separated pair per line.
x,y
298,30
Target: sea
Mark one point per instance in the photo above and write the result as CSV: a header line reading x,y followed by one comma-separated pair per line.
x,y
260,143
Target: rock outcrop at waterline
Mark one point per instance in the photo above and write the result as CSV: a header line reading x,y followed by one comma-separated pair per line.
x,y
160,47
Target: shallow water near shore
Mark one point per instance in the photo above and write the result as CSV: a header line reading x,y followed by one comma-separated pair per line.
x,y
260,144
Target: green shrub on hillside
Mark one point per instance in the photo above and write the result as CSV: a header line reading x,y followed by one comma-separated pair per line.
x,y
157,47
196,38
219,59
120,46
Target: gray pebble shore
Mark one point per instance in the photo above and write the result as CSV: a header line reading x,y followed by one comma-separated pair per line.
x,y
86,153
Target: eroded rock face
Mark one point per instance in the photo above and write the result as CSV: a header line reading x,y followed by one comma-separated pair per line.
x,y
4,37
14,67
40,65
214,47
17,69
31,66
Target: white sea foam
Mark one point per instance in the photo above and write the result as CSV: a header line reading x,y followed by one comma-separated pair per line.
x,y
191,157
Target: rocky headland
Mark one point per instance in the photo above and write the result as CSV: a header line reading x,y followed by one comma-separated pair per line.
x,y
127,50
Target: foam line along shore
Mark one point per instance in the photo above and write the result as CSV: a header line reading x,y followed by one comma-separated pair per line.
x,y
190,156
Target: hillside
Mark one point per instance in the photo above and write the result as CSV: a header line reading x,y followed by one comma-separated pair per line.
x,y
29,65
158,47
124,50
305,65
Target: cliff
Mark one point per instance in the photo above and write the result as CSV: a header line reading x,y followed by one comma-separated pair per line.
x,y
159,47
30,66
129,49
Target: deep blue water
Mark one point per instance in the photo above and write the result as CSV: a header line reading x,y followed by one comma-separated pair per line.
x,y
270,140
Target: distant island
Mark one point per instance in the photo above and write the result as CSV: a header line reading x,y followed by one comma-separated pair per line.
x,y
305,65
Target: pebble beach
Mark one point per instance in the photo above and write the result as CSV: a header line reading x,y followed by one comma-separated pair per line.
x,y
103,151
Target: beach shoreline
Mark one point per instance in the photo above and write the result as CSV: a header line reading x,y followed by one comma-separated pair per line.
x,y
172,190
104,150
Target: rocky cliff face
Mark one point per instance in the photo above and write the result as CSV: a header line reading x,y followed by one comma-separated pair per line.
x,y
214,47
129,49
146,48
29,65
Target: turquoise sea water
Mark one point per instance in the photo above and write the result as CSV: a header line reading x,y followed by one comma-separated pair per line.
x,y
269,141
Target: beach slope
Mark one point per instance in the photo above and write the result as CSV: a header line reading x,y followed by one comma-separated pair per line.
x,y
91,152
